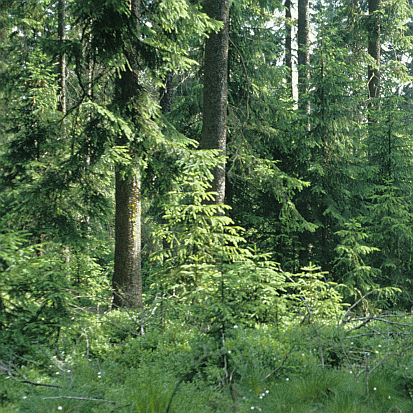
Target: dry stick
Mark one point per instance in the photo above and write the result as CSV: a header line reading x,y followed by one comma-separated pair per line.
x,y
11,373
193,367
80,398
120,407
366,320
343,321
279,367
320,346
33,383
380,317
356,304
315,409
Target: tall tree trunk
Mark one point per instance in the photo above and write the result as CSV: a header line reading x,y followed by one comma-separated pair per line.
x,y
373,80
288,49
303,40
127,279
214,126
374,50
127,276
61,22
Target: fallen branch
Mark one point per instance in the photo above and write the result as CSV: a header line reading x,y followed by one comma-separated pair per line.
x,y
80,398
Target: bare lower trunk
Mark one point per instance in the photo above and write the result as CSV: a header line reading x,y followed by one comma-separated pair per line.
x,y
127,277
127,280
214,127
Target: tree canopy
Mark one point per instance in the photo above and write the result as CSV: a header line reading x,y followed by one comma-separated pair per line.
x,y
213,163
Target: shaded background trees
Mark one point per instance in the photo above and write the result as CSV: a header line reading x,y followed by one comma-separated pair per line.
x,y
80,104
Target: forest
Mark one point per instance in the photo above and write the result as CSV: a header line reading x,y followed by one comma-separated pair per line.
x,y
206,206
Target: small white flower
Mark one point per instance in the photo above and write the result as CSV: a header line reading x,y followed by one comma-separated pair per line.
x,y
57,372
235,326
24,397
59,408
389,397
252,407
287,379
267,391
374,388
303,354
229,351
69,371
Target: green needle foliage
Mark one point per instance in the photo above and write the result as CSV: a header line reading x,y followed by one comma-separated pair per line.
x,y
293,296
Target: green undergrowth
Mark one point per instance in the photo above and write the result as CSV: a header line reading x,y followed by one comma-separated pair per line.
x,y
99,367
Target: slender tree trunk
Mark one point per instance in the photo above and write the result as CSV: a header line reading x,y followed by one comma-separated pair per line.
x,y
288,48
61,19
374,50
166,94
61,23
303,39
214,127
373,74
127,276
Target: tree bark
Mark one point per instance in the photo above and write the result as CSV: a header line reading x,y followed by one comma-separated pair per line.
x,y
127,279
374,50
303,40
288,48
373,82
214,126
61,22
127,276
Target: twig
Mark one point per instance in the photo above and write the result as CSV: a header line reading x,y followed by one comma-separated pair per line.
x,y
315,409
356,304
80,398
11,373
187,374
120,407
34,383
280,366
